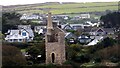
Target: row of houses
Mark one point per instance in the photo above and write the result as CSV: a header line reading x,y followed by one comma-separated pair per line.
x,y
30,17
56,17
91,36
79,26
24,33
81,16
94,33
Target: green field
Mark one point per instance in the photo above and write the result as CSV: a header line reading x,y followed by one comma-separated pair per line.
x,y
77,5
69,8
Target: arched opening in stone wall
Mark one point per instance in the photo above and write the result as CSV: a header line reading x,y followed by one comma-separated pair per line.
x,y
53,57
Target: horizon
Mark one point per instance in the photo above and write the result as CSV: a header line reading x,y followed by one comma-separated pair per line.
x,y
23,2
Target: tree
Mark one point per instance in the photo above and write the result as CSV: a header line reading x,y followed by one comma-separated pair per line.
x,y
11,56
111,19
109,53
35,50
72,51
10,20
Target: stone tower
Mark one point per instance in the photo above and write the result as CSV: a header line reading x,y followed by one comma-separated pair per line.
x,y
55,43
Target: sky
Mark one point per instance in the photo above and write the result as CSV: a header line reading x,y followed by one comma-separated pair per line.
x,y
18,2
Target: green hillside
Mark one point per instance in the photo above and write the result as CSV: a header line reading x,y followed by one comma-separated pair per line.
x,y
68,8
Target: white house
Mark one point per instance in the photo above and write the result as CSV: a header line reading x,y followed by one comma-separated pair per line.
x,y
20,35
40,29
29,17
82,16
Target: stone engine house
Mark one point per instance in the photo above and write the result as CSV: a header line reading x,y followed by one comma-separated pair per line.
x,y
55,43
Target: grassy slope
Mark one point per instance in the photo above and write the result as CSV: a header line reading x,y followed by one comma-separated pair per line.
x,y
77,5
74,8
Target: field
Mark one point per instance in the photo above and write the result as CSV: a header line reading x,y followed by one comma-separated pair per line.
x,y
68,8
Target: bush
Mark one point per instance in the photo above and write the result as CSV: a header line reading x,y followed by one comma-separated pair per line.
x,y
82,58
17,44
114,59
50,66
11,56
67,62
29,62
97,59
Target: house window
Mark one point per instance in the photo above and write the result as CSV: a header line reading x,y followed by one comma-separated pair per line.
x,y
20,40
15,40
24,34
10,40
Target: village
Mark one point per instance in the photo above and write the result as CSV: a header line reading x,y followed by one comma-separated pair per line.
x,y
49,40
86,33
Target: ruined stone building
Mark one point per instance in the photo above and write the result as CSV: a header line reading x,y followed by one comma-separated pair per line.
x,y
55,43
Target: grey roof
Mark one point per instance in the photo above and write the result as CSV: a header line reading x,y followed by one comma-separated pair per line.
x,y
27,28
109,30
24,26
30,31
13,32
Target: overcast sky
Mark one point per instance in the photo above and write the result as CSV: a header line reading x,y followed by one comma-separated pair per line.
x,y
17,2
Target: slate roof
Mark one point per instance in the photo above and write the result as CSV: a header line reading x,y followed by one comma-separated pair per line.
x,y
30,31
14,34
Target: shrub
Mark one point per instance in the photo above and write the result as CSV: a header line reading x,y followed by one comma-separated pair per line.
x,y
114,59
67,62
82,58
97,59
50,66
11,56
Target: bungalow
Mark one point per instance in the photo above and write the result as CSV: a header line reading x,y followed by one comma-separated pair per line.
x,y
97,31
101,31
72,26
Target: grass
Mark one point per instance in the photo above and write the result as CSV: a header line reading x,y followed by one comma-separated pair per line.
x,y
71,8
74,10
78,5
23,50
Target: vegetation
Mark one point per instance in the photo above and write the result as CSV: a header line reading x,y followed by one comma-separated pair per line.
x,y
67,8
76,54
12,56
10,20
34,51
111,20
